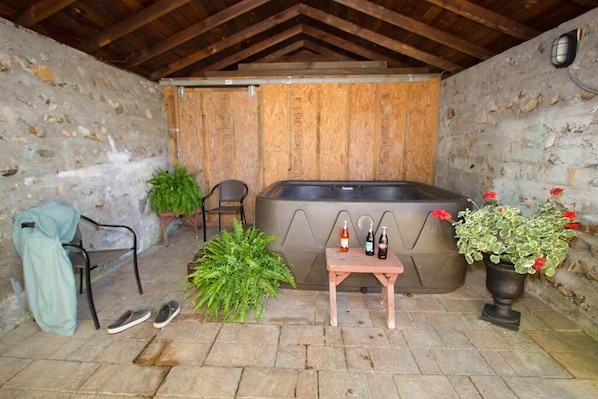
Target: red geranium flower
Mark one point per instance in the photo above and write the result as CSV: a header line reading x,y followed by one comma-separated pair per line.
x,y
442,214
490,195
572,226
569,214
539,264
556,191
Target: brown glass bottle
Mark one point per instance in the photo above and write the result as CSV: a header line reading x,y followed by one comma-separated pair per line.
x,y
383,244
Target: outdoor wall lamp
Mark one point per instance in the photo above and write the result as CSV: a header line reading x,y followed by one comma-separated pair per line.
x,y
564,48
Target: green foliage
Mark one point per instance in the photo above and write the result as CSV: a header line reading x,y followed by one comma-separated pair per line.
x,y
176,192
534,243
236,273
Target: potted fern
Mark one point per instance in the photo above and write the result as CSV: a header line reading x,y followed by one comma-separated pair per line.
x,y
235,273
175,192
175,195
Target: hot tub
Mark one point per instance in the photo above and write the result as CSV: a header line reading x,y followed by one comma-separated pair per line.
x,y
307,216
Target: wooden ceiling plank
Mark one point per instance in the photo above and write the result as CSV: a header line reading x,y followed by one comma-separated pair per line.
x,y
350,47
41,10
419,28
379,39
206,52
256,48
133,22
488,18
189,33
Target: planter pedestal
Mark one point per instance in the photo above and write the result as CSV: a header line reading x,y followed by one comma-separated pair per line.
x,y
167,217
505,285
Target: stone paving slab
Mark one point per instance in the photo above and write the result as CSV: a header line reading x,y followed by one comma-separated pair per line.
x,y
124,379
53,375
416,387
200,382
440,348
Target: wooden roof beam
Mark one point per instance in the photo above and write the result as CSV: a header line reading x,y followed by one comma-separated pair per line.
x,y
312,46
379,39
128,25
256,48
419,28
488,18
350,46
214,48
280,52
192,31
41,10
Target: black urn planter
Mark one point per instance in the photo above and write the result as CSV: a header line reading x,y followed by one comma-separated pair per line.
x,y
505,285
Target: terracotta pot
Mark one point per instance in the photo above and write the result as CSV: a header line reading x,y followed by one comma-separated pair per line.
x,y
505,285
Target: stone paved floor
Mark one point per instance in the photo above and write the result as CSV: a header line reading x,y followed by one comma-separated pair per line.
x,y
440,349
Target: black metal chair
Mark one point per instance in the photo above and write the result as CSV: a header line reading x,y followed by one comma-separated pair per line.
x,y
231,194
87,259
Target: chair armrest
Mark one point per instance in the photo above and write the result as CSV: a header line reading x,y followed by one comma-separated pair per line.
x,y
203,200
117,226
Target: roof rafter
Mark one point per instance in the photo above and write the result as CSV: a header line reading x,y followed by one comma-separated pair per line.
x,y
486,17
194,30
40,10
379,39
296,45
312,46
256,48
349,46
128,25
228,42
419,28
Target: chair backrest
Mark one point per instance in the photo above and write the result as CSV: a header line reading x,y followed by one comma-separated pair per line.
x,y
232,190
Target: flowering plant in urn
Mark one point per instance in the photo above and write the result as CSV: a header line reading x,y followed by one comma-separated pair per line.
x,y
532,243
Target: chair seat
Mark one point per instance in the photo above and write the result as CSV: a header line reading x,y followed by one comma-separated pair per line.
x,y
96,257
224,209
85,259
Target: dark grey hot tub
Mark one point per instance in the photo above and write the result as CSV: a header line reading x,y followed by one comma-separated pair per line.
x,y
307,216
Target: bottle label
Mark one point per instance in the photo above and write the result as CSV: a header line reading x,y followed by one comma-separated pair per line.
x,y
369,247
344,243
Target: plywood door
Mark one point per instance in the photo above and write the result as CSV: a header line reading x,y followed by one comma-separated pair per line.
x,y
218,134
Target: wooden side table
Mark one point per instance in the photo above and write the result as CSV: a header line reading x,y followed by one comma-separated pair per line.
x,y
167,217
341,264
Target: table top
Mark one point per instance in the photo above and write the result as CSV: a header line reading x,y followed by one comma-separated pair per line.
x,y
357,261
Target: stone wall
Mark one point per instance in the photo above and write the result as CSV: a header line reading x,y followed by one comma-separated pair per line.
x,y
518,125
76,130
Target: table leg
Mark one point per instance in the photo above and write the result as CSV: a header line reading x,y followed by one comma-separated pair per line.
x,y
390,305
332,290
165,220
